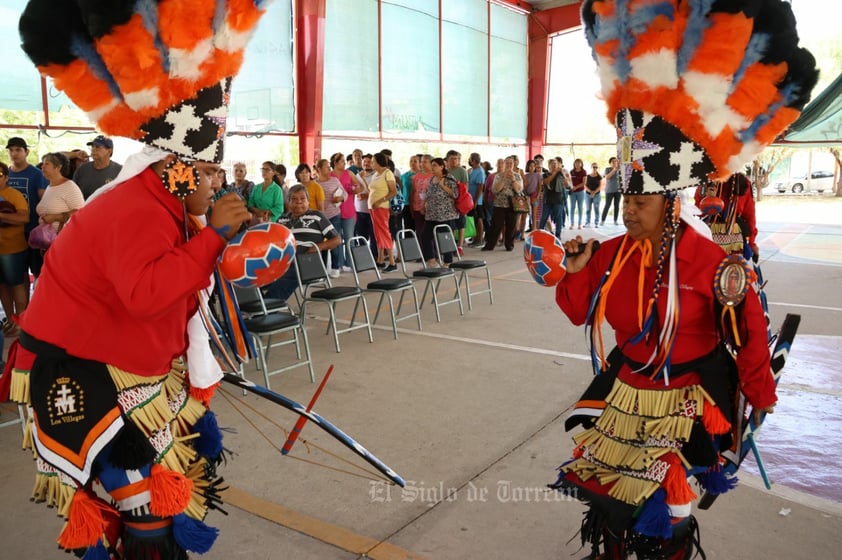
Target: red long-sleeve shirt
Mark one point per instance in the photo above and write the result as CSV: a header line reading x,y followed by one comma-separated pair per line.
x,y
697,335
120,281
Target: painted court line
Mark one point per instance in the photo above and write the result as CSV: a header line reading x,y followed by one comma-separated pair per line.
x,y
805,306
323,531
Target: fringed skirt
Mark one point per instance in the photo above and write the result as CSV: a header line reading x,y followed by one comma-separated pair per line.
x,y
146,441
642,443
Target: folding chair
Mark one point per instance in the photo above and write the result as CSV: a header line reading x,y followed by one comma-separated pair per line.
x,y
311,272
252,302
363,261
410,251
268,324
445,243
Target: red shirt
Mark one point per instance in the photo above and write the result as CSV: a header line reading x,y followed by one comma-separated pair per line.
x,y
120,281
577,178
697,334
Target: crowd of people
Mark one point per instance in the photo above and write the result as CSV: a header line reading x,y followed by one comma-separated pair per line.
x,y
357,194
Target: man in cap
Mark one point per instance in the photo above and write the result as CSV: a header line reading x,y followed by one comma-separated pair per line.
x,y
93,174
31,183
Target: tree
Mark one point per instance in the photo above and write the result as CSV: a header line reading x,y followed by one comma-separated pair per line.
x,y
764,164
837,155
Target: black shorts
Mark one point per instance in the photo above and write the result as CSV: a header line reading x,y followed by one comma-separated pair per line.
x,y
460,222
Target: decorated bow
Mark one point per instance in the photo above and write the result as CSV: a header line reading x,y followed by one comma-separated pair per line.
x,y
320,421
734,457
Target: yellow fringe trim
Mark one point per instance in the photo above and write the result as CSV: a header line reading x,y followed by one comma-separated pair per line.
x,y
53,489
188,416
154,412
126,380
616,453
19,387
632,490
27,442
628,489
656,403
197,508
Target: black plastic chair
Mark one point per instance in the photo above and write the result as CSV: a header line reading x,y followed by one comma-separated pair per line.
x,y
252,302
363,261
445,243
270,323
410,251
311,273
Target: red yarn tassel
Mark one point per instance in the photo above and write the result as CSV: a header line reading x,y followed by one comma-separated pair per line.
x,y
169,491
204,395
714,421
85,521
675,483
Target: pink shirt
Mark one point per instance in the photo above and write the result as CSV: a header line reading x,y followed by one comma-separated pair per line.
x,y
347,210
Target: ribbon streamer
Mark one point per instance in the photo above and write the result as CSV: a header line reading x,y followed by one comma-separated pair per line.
x,y
296,430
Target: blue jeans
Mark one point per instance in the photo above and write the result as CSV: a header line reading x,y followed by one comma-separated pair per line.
x,y
556,212
577,199
365,229
347,233
285,286
337,254
592,203
610,198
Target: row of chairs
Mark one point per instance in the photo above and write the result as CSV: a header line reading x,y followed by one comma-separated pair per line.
x,y
266,318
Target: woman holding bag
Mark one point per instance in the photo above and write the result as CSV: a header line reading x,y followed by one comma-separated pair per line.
x,y
63,197
506,184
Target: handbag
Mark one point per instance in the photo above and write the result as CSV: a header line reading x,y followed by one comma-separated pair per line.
x,y
42,236
470,227
520,203
464,200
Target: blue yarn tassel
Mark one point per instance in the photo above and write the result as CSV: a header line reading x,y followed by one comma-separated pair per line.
x,y
193,535
714,481
654,519
97,552
209,442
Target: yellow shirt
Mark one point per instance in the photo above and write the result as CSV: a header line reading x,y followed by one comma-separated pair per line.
x,y
316,194
12,239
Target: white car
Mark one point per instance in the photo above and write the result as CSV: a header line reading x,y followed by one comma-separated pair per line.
x,y
819,181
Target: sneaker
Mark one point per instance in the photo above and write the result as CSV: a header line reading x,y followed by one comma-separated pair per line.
x,y
390,268
334,273
596,226
346,269
461,252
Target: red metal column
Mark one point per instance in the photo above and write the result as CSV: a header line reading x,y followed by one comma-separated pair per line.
x,y
542,26
309,41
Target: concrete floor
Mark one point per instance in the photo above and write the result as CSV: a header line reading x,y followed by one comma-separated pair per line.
x,y
470,411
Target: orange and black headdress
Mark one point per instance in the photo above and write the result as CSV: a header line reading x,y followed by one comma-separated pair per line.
x,y
157,71
696,88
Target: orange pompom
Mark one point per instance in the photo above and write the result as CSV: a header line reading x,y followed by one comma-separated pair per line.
x,y
169,491
675,483
205,395
714,421
85,521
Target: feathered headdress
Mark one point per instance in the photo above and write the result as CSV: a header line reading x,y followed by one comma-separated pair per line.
x,y
696,88
157,71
